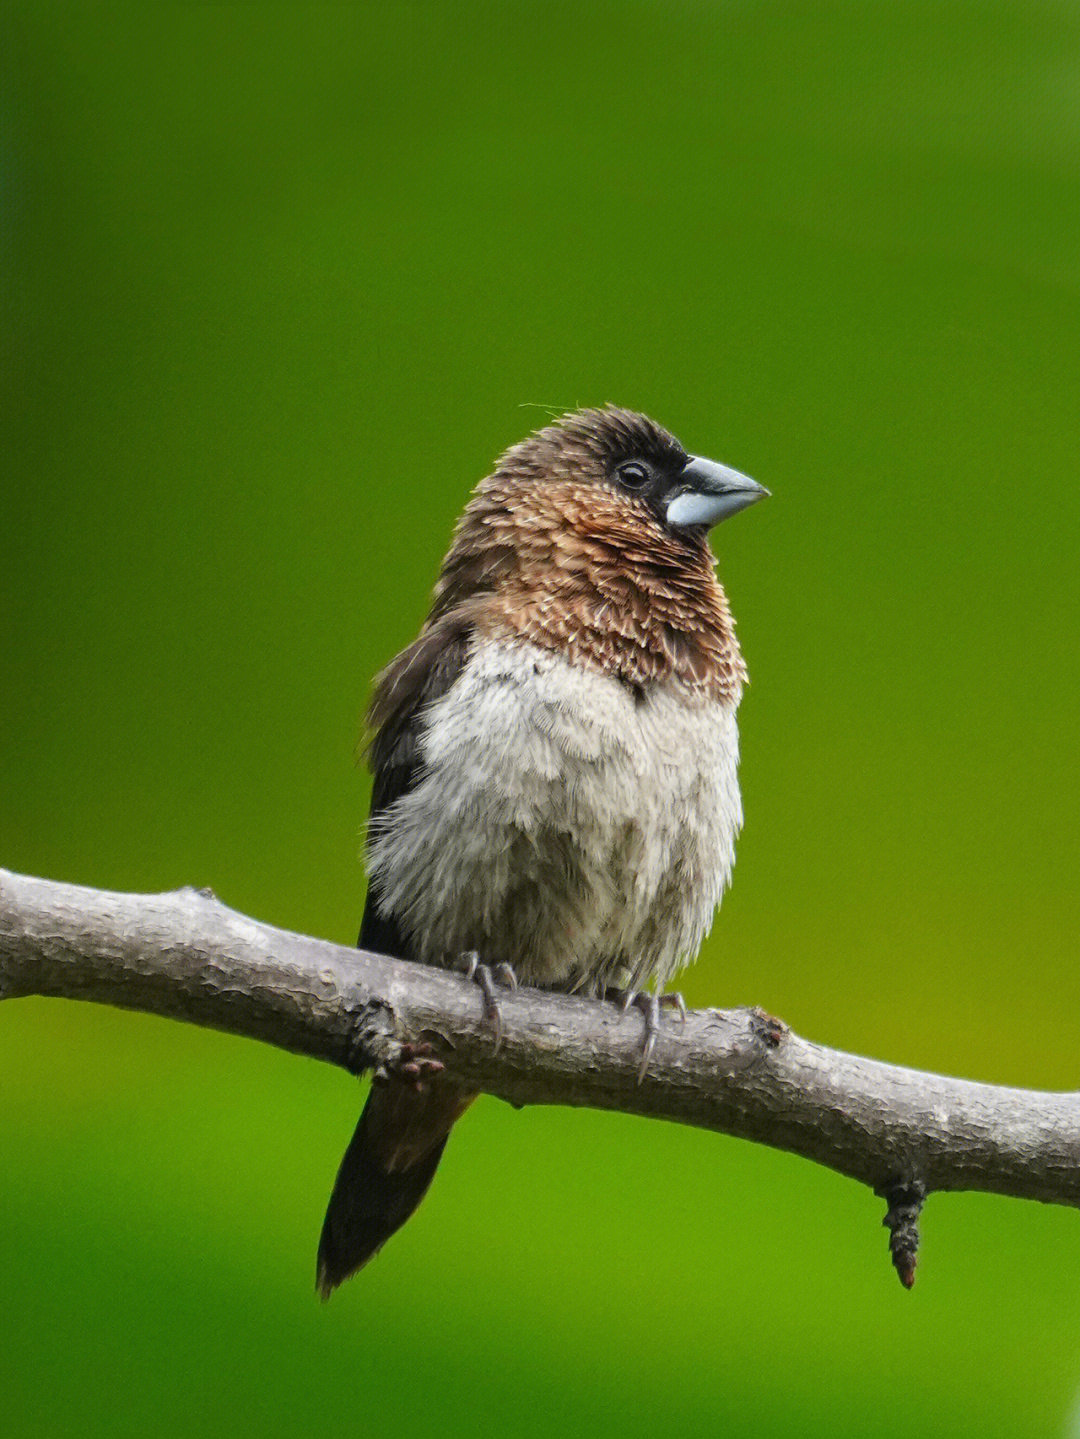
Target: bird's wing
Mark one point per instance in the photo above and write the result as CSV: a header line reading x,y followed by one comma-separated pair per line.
x,y
413,680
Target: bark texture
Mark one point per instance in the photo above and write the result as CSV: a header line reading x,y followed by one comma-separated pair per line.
x,y
902,1132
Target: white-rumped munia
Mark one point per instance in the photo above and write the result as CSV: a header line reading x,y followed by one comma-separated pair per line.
x,y
554,757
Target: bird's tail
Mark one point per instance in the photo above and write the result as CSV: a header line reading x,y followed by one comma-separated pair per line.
x,y
390,1161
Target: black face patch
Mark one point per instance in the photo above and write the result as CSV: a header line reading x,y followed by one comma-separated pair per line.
x,y
641,458
653,480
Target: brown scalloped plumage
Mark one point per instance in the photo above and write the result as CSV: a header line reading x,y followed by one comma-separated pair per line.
x,y
567,560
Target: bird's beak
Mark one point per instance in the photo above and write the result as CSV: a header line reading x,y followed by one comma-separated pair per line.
x,y
713,493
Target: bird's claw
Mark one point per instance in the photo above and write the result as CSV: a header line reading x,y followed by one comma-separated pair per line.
x,y
412,1064
650,1006
485,976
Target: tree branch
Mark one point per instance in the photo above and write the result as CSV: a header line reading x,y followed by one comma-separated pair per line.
x,y
187,956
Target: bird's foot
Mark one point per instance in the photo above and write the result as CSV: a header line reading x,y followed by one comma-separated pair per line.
x,y
486,976
412,1064
650,1006
767,1027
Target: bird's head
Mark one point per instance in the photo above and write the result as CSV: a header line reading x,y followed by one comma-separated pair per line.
x,y
589,537
599,498
627,463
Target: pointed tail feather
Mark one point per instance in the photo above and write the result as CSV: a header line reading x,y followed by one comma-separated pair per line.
x,y
390,1161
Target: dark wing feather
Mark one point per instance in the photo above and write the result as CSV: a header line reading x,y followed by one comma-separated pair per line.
x,y
418,676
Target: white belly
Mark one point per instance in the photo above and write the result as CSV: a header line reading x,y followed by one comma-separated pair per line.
x,y
565,825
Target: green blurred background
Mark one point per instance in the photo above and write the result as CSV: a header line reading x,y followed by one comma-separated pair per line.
x,y
279,283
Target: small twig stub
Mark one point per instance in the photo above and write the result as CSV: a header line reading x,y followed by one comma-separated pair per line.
x,y
905,1199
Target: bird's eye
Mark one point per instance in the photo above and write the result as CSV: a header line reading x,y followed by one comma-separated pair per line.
x,y
633,474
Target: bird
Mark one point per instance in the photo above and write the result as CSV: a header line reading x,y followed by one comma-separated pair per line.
x,y
555,797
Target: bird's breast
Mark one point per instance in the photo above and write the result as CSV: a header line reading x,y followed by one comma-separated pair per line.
x,y
579,829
